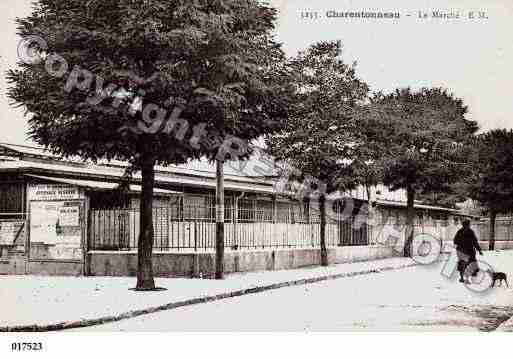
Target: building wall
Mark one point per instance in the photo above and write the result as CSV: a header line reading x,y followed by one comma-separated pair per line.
x,y
503,229
203,264
441,225
59,249
11,197
13,229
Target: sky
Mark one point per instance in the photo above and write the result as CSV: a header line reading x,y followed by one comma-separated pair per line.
x,y
470,57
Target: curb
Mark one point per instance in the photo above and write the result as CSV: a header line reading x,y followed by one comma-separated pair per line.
x,y
193,301
505,326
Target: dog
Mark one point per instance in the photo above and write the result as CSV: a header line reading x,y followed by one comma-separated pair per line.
x,y
498,276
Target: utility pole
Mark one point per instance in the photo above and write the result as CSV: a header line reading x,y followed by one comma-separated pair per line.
x,y
219,220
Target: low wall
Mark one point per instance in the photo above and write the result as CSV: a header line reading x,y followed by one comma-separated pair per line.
x,y
50,268
503,245
13,265
103,263
498,245
18,265
360,253
100,263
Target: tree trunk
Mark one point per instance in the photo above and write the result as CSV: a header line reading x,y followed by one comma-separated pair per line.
x,y
219,220
324,251
410,215
145,279
491,244
367,188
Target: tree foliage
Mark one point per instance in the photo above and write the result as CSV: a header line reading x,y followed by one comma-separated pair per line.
x,y
151,82
316,140
216,61
420,136
491,157
421,133
317,137
490,182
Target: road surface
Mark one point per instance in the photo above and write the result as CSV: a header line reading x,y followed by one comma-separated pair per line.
x,y
413,299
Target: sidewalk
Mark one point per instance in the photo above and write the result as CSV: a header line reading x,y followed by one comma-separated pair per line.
x,y
35,303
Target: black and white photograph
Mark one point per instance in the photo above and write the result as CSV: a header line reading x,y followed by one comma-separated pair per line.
x,y
250,178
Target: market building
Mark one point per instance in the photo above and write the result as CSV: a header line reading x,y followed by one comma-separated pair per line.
x,y
70,217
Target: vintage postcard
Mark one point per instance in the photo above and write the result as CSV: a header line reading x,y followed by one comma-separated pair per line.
x,y
236,166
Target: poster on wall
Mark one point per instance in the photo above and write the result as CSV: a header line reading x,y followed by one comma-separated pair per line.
x,y
69,216
55,230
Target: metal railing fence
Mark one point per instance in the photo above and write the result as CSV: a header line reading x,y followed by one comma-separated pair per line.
x,y
178,227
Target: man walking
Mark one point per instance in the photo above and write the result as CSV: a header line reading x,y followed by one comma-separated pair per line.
x,y
466,245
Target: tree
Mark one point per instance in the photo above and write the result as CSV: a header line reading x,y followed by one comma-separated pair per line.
x,y
421,134
365,166
316,139
150,82
491,157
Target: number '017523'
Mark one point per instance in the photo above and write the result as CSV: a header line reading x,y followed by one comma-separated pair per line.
x,y
22,347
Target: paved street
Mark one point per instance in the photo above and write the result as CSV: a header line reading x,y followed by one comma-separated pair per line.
x,y
414,299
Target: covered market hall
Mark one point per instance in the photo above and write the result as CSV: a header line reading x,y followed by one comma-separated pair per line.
x,y
70,217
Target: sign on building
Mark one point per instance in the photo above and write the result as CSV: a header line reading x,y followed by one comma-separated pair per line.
x,y
54,192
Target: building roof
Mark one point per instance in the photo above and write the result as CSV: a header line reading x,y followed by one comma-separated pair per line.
x,y
35,161
28,150
103,173
100,186
252,169
254,175
424,206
